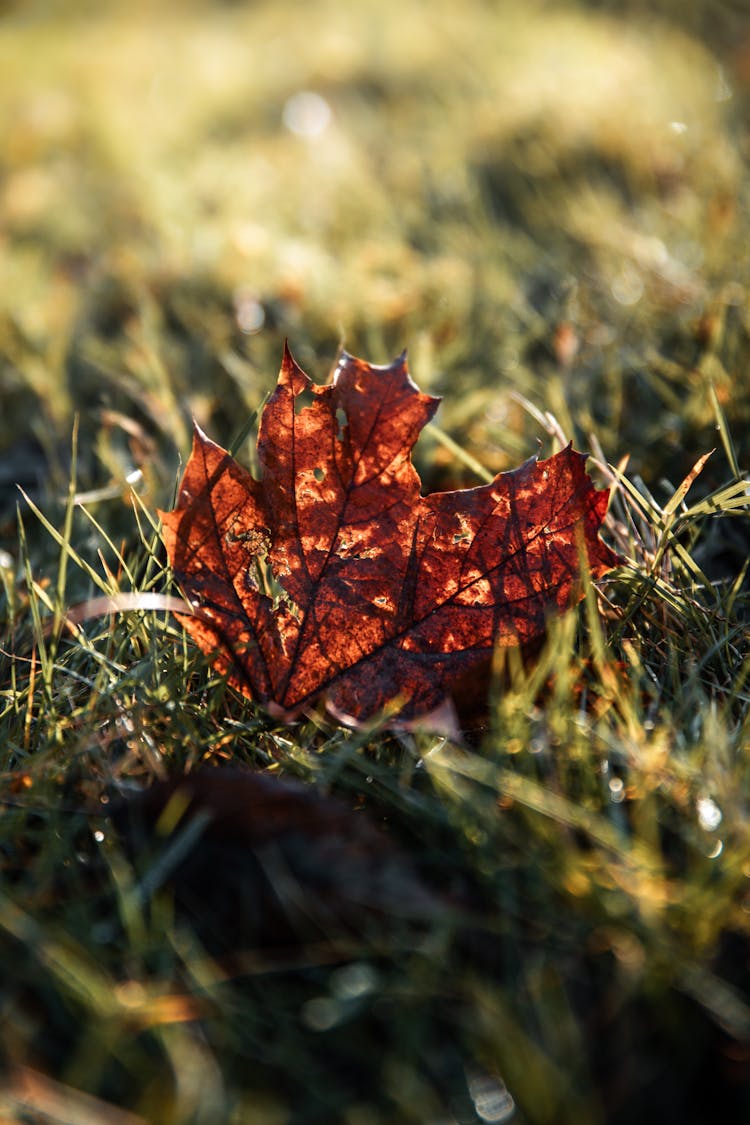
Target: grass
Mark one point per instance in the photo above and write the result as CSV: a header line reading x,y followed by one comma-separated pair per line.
x,y
548,205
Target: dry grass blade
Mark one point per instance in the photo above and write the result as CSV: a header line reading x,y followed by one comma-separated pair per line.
x,y
126,603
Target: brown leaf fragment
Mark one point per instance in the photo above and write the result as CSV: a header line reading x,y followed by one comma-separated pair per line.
x,y
259,861
333,577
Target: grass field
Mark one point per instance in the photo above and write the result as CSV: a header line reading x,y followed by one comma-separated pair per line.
x,y
546,921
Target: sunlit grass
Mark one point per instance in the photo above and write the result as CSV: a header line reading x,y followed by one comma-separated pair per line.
x,y
599,822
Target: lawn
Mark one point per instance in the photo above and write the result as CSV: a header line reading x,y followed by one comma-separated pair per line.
x,y
208,914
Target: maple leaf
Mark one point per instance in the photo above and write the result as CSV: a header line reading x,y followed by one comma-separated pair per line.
x,y
333,577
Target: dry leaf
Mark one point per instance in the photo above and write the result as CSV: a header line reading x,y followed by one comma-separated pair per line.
x,y
332,577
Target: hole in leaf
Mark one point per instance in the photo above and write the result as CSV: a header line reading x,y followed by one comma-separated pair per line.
x,y
319,474
342,421
305,398
464,532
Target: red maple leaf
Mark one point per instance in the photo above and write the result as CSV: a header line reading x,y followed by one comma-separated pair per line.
x,y
332,577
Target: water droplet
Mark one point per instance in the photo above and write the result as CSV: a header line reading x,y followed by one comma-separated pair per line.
x,y
354,981
617,789
492,1101
306,114
321,1013
249,312
627,287
709,814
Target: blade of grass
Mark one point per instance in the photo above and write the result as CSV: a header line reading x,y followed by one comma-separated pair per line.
x,y
723,428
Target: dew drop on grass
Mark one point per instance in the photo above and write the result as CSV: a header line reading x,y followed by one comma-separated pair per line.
x,y
627,287
130,994
306,114
492,1101
709,814
321,1013
354,981
617,789
249,311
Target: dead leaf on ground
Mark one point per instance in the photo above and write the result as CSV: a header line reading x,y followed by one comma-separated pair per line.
x,y
259,861
332,576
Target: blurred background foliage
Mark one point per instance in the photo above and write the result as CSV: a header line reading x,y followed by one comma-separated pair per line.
x,y
541,198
